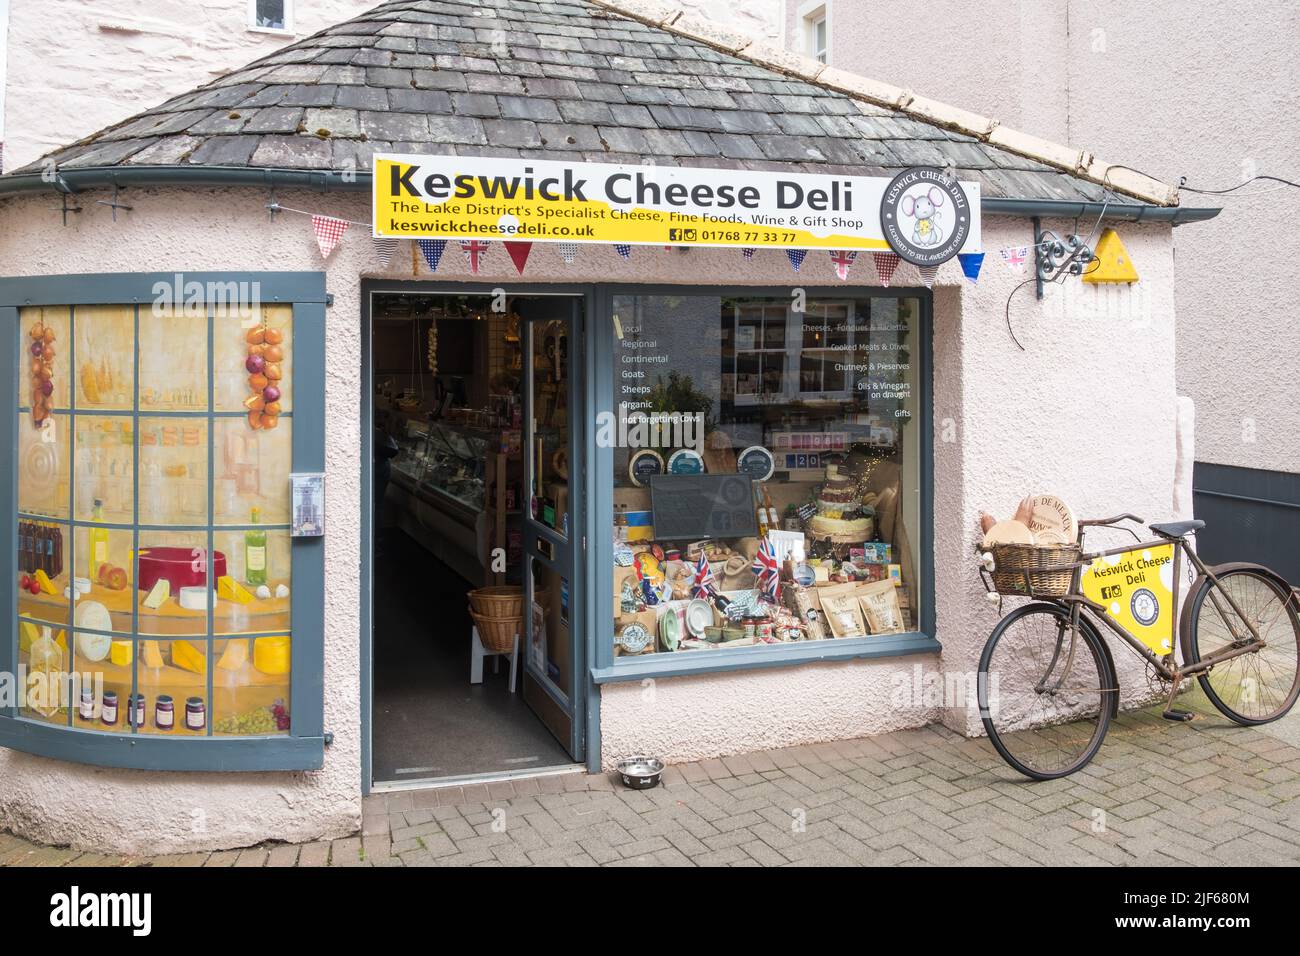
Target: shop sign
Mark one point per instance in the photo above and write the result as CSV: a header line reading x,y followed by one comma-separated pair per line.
x,y
1137,590
460,197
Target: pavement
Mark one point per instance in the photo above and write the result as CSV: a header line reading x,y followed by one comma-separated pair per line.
x,y
1204,793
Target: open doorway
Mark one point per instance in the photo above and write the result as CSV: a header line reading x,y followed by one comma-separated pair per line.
x,y
449,377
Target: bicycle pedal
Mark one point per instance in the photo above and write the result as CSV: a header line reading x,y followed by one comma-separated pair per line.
x,y
1181,716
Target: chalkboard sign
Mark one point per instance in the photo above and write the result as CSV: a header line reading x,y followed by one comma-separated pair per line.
x,y
690,507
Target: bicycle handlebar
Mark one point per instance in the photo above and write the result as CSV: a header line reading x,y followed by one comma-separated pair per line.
x,y
1097,522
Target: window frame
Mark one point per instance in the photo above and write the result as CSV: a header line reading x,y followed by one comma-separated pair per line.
x,y
303,747
253,26
606,668
813,14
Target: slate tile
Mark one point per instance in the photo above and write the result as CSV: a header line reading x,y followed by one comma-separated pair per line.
x,y
569,136
585,111
310,95
457,129
419,101
394,126
225,151
514,133
360,98
475,104
293,152
524,107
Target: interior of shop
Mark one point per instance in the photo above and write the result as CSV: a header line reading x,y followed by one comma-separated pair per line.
x,y
448,376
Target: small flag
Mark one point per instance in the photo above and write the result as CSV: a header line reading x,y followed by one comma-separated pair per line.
x,y
843,258
568,252
475,250
433,250
329,233
971,264
702,583
796,257
886,265
518,252
385,247
928,274
1015,258
748,252
766,568
623,249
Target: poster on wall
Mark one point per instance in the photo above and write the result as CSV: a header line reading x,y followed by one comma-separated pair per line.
x,y
923,214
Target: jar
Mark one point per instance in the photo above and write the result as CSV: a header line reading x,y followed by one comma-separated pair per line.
x,y
87,708
135,710
108,712
196,714
164,712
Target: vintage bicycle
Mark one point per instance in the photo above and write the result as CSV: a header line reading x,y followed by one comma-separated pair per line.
x,y
1047,684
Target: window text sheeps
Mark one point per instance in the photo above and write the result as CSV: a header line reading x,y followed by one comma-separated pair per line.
x,y
621,189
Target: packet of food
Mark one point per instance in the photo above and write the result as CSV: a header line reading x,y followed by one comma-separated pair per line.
x,y
880,607
843,614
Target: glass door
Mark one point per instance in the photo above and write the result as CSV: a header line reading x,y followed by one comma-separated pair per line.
x,y
553,684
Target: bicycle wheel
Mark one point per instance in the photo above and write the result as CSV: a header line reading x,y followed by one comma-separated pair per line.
x,y
1261,686
1046,692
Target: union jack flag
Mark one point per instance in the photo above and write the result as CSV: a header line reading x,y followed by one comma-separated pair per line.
x,y
766,568
1015,257
843,258
475,250
702,583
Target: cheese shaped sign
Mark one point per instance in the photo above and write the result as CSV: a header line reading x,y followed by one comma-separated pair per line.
x,y
1137,590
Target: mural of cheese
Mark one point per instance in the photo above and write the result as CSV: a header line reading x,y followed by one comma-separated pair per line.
x,y
235,656
271,655
121,653
44,581
162,590
188,657
151,655
92,614
228,589
27,633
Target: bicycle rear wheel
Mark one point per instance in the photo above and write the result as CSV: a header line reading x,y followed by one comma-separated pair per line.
x,y
1260,686
1046,691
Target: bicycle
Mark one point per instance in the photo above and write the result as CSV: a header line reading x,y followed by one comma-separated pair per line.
x,y
1048,688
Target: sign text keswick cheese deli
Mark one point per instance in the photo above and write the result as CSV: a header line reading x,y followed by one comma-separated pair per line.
x,y
464,197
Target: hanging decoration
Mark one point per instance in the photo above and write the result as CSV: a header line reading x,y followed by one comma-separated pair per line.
x,y
928,275
843,259
796,257
475,250
266,348
433,250
1113,262
433,347
329,233
385,248
748,252
971,264
568,252
623,249
42,380
518,252
886,266
1015,257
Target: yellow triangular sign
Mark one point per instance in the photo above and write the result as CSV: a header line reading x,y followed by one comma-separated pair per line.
x,y
1113,263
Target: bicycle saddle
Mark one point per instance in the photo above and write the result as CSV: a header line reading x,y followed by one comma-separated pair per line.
x,y
1177,529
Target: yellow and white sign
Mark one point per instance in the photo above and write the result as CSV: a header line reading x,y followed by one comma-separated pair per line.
x,y
1137,590
466,197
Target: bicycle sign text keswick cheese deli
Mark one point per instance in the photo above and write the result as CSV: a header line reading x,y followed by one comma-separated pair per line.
x,y
464,197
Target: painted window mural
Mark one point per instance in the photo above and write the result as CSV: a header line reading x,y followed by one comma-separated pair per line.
x,y
153,570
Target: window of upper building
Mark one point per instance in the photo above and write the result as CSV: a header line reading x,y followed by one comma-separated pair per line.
x,y
814,19
271,15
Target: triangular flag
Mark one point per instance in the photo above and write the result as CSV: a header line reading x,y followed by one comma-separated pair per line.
x,y
928,274
623,249
518,253
385,246
748,252
971,264
886,264
1113,262
475,250
796,257
1015,257
843,258
568,252
433,250
329,233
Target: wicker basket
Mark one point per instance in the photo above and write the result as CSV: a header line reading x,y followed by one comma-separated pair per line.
x,y
1044,570
497,633
505,601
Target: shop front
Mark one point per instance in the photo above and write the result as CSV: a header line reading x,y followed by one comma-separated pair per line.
x,y
314,518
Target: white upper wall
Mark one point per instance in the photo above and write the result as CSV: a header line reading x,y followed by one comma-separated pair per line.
x,y
1212,96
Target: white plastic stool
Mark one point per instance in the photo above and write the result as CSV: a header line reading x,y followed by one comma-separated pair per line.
x,y
477,652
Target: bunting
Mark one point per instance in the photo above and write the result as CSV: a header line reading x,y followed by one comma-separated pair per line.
x,y
796,257
748,252
329,233
518,252
568,252
433,250
843,259
928,275
385,247
971,264
475,250
1015,257
623,249
886,265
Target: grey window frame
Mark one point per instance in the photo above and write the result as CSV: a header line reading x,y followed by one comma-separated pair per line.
x,y
303,747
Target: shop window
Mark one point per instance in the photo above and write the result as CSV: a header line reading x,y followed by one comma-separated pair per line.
x,y
273,15
156,572
767,467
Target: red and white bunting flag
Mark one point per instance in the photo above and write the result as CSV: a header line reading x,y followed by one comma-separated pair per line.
x,y
843,259
886,265
928,274
568,252
475,250
385,247
518,252
329,233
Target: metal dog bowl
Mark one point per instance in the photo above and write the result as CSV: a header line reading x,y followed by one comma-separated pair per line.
x,y
640,773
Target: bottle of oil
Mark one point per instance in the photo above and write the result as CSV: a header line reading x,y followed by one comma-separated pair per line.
x,y
97,552
255,552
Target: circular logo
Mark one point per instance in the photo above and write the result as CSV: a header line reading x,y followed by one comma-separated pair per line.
x,y
757,462
1145,607
925,216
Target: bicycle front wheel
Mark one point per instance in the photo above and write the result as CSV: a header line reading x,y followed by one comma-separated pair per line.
x,y
1262,684
1046,691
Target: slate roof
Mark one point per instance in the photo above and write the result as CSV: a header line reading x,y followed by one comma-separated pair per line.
x,y
528,79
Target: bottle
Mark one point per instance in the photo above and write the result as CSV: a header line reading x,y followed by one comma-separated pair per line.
x,y
761,513
98,550
773,519
255,552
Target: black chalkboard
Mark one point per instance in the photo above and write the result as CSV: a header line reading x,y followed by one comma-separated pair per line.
x,y
690,507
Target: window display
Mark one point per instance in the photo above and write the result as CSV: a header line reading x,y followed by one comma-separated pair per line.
x,y
153,548
767,470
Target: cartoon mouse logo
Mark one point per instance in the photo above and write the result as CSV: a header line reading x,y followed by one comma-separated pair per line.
x,y
927,231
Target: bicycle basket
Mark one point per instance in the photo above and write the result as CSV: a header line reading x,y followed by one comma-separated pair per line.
x,y
1042,570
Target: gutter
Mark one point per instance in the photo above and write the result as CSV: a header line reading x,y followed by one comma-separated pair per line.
x,y
72,181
